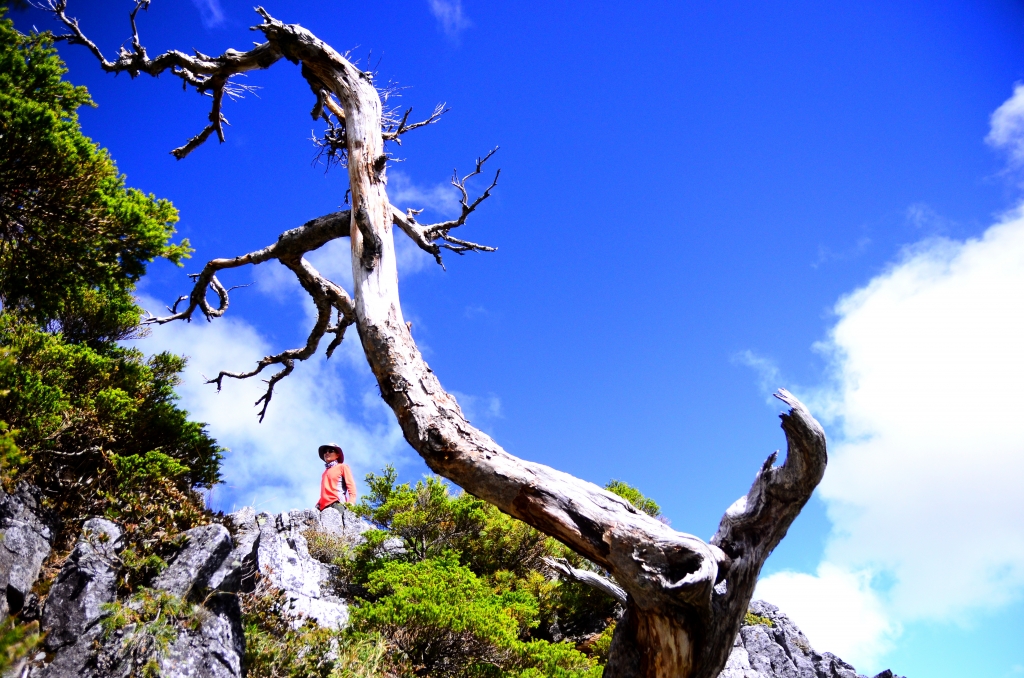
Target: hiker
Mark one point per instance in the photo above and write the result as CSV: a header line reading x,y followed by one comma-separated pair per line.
x,y
336,484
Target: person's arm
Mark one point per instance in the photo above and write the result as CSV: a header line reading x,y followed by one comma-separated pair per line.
x,y
350,486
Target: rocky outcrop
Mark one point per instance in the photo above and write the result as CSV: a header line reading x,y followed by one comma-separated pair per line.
x,y
778,649
25,541
283,558
87,581
204,552
219,560
215,562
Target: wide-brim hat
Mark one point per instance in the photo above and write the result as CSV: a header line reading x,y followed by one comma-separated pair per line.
x,y
329,447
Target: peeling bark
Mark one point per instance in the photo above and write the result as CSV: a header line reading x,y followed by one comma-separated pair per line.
x,y
684,597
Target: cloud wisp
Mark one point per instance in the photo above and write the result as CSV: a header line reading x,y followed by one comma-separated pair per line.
x,y
211,12
1006,129
450,17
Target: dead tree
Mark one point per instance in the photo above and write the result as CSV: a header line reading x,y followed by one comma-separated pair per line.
x,y
684,597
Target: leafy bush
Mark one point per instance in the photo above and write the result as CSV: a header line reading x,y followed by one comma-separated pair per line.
x,y
75,238
448,622
634,497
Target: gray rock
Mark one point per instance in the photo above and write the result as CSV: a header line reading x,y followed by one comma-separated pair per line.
x,y
284,559
25,542
343,523
77,660
87,581
782,651
238,571
204,551
213,651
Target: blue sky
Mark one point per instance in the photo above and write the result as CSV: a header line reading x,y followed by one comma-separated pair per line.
x,y
698,203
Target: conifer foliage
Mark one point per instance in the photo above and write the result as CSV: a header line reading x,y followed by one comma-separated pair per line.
x,y
92,423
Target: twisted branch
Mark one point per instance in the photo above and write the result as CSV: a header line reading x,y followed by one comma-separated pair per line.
x,y
327,296
394,132
207,75
426,235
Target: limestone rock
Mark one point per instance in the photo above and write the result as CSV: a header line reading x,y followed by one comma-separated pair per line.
x,y
782,651
204,551
213,651
284,559
87,581
238,571
24,544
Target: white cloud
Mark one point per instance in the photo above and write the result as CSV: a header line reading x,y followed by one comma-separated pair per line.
x,y
1007,126
210,11
449,16
441,198
274,464
836,609
923,484
767,370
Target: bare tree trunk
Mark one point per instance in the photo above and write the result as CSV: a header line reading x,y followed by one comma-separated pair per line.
x,y
685,598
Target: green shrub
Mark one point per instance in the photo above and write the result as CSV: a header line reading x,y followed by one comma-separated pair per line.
x,y
634,497
333,549
16,642
751,619
276,646
74,238
446,621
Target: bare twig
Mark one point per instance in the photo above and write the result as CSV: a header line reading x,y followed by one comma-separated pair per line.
x,y
427,235
204,73
394,132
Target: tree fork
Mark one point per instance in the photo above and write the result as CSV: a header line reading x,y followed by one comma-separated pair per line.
x,y
685,598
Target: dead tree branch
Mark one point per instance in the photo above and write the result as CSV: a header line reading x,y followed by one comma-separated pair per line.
x,y
427,235
207,75
328,297
394,132
684,597
593,579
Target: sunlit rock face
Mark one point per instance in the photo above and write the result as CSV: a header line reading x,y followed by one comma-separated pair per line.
x,y
24,545
241,551
774,647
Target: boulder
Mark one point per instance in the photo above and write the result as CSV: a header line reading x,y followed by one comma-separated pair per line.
x,y
204,551
214,650
25,542
284,560
87,581
781,650
238,570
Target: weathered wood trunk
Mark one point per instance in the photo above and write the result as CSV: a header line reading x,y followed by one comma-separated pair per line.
x,y
685,598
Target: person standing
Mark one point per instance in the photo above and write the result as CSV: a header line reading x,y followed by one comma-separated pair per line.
x,y
336,485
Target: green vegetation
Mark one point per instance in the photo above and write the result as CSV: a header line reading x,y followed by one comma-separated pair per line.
x,y
751,619
446,586
92,423
150,621
634,497
276,648
74,239
16,642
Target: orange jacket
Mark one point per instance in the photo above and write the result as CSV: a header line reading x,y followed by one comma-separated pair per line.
x,y
330,492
